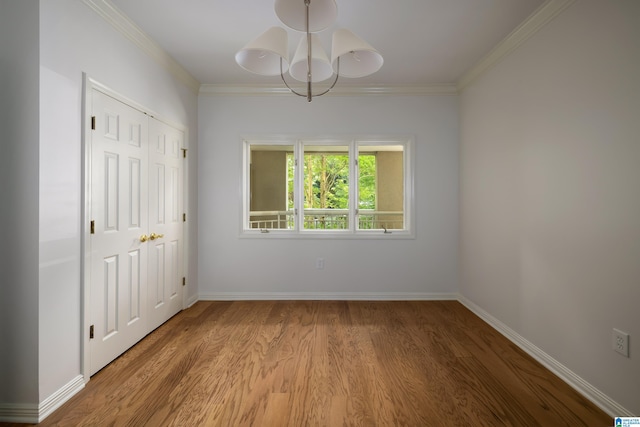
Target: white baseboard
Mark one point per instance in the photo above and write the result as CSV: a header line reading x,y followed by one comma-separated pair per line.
x,y
335,296
34,413
598,398
19,413
57,399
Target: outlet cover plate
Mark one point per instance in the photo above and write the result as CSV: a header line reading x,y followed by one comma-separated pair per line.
x,y
620,341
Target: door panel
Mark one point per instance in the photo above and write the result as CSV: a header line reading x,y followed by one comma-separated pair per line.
x,y
135,288
119,159
110,285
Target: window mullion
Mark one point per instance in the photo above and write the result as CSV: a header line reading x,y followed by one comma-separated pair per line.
x,y
247,185
298,186
353,186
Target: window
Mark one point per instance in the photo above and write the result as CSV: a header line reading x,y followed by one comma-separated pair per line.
x,y
327,187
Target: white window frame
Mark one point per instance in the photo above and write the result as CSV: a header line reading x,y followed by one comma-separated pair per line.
x,y
298,143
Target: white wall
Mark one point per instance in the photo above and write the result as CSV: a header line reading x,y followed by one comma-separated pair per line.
x,y
44,59
241,267
550,198
19,206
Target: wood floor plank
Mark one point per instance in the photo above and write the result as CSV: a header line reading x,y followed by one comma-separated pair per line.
x,y
277,410
326,363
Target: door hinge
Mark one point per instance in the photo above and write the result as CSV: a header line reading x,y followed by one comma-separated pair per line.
x,y
93,122
184,281
93,226
184,153
91,332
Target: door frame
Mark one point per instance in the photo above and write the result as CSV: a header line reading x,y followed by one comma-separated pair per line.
x,y
88,85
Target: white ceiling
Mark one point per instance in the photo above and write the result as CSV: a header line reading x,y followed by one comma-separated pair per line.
x,y
423,42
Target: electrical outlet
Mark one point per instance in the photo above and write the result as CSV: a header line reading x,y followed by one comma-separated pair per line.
x,y
320,263
621,342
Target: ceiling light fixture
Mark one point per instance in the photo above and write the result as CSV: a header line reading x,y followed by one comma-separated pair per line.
x,y
267,55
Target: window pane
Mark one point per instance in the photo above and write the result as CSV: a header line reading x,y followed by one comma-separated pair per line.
x,y
381,187
326,187
367,181
271,172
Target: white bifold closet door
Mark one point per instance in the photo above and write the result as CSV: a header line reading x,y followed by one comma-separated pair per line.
x,y
165,219
136,229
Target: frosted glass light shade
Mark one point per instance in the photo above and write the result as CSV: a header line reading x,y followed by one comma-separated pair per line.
x,y
357,57
320,65
262,55
292,13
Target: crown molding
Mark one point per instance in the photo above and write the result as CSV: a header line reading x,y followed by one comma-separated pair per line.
x,y
538,19
118,20
351,90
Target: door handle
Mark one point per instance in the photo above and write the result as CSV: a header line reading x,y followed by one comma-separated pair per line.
x,y
154,236
144,238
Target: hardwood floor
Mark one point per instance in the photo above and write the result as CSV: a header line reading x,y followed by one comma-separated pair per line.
x,y
326,363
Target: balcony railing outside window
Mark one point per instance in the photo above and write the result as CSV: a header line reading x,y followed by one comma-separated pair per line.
x,y
269,220
380,220
327,219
